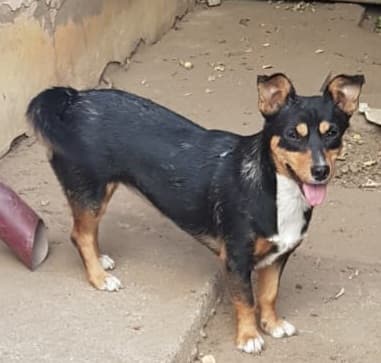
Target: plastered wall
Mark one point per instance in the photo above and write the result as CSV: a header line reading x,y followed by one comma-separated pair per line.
x,y
69,42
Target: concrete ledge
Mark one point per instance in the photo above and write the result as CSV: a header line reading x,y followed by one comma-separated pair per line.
x,y
45,43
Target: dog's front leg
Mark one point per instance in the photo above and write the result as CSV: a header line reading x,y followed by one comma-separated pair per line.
x,y
268,279
239,263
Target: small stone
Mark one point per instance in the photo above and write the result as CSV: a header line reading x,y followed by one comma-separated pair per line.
x,y
219,67
194,353
211,78
267,66
244,21
319,51
203,334
208,90
344,169
44,203
298,287
213,2
265,45
208,359
354,168
186,64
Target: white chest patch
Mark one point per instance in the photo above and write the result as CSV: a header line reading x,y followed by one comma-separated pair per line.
x,y
290,208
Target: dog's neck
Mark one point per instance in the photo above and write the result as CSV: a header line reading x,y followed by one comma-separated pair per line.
x,y
257,166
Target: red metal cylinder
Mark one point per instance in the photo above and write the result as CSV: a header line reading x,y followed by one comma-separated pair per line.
x,y
22,229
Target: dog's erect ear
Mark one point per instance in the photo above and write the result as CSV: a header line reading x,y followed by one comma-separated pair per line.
x,y
345,92
273,92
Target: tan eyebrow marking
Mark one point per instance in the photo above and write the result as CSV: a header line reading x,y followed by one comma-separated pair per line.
x,y
302,129
324,126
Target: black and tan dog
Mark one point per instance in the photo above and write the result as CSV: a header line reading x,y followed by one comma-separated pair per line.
x,y
248,198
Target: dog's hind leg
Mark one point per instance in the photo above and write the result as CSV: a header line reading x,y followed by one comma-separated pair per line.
x,y
88,198
85,238
106,261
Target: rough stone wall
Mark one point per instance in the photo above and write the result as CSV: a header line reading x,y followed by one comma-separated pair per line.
x,y
69,42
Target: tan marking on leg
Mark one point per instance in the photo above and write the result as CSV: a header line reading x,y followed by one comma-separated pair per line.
x,y
324,126
212,243
222,254
302,129
110,189
261,247
267,292
84,234
246,323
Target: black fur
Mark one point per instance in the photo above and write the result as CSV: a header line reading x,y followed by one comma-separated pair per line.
x,y
209,182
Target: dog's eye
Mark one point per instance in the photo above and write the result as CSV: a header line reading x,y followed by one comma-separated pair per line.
x,y
292,134
332,132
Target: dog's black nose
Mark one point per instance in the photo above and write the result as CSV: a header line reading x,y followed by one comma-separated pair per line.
x,y
320,172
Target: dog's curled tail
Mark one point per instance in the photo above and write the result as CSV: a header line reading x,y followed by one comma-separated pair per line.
x,y
47,113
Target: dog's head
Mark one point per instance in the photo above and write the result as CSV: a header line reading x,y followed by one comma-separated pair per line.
x,y
305,133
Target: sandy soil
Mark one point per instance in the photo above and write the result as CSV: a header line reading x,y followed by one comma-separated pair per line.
x,y
227,47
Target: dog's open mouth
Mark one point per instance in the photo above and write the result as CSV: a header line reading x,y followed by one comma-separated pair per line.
x,y
313,193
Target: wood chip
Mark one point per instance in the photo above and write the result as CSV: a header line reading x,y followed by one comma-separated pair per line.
x,y
340,293
370,163
370,184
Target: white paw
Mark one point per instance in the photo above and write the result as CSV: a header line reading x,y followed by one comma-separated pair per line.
x,y
285,329
107,262
253,345
112,283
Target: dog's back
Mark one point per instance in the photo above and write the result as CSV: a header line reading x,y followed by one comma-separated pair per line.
x,y
116,136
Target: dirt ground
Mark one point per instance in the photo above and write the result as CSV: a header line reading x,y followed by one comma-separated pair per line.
x,y
226,48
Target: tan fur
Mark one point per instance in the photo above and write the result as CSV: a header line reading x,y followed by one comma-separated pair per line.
x,y
85,236
272,95
267,293
302,129
300,162
246,323
330,157
216,245
222,255
261,247
324,126
345,94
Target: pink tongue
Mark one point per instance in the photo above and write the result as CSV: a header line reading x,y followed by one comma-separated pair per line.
x,y
315,194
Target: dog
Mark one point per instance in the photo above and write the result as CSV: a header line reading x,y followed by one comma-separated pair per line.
x,y
247,198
